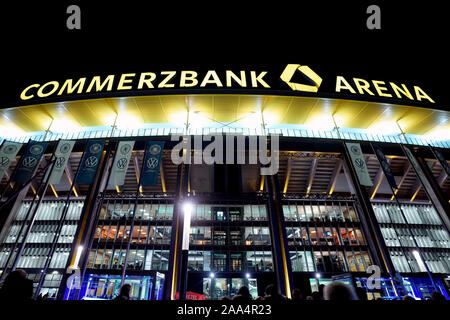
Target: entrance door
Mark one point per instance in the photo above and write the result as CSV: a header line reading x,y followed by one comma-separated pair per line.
x,y
159,286
216,288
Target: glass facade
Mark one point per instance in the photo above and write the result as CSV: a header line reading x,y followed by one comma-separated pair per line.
x,y
230,238
427,229
37,249
325,236
146,232
128,234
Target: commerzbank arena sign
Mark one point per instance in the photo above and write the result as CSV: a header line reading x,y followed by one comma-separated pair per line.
x,y
290,79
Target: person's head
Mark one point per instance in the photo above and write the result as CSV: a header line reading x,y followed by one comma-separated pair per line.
x,y
408,297
125,290
437,296
361,293
309,298
243,291
297,294
271,290
339,291
17,286
225,298
316,296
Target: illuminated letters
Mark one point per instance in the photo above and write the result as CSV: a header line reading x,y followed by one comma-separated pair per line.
x,y
148,82
192,78
361,85
70,88
259,78
123,80
380,89
215,79
24,95
164,83
41,93
241,81
212,78
341,83
421,94
99,87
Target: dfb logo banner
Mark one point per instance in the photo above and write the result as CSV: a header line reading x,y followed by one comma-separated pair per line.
x,y
121,162
29,161
8,153
90,161
62,154
359,163
385,165
152,161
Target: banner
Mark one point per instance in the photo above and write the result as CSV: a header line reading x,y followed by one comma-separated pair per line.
x,y
62,154
385,166
29,161
121,162
440,157
90,161
8,153
152,160
359,163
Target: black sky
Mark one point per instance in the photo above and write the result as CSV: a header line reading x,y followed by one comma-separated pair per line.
x,y
132,36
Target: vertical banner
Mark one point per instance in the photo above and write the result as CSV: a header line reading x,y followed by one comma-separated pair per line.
x,y
152,160
412,159
90,161
385,166
440,157
121,162
8,153
29,161
359,163
62,154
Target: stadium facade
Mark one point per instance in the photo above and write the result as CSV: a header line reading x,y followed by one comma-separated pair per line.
x,y
92,194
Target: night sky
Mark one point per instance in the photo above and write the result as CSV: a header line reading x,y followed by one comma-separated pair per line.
x,y
132,37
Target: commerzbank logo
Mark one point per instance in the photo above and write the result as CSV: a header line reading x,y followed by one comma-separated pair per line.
x,y
291,69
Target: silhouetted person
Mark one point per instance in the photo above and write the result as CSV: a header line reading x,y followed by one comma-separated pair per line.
x,y
339,291
437,296
408,298
17,287
124,294
259,298
225,298
321,288
271,294
297,295
361,293
243,295
315,295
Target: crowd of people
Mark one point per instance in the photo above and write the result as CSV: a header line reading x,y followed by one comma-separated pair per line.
x,y
17,287
335,291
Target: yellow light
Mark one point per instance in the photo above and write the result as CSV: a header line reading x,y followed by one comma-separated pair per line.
x,y
54,191
322,122
252,120
64,125
415,195
178,119
439,133
384,127
198,120
117,189
128,121
10,130
271,118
